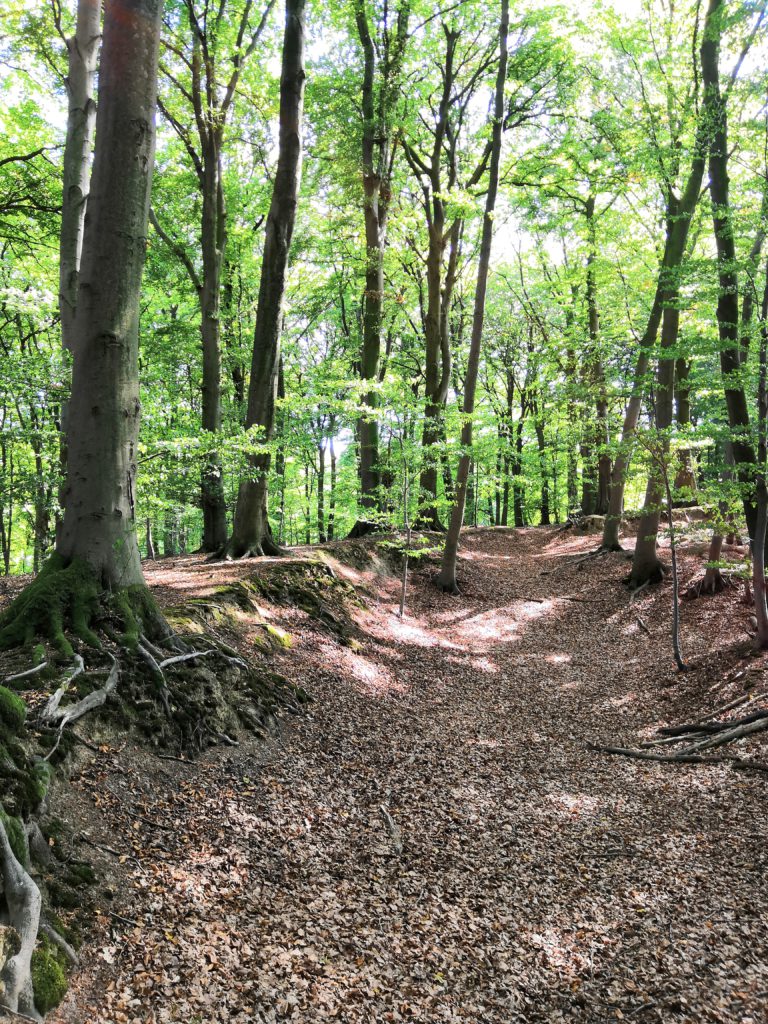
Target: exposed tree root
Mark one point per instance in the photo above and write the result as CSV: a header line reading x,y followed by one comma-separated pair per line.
x,y
66,601
22,900
712,582
364,528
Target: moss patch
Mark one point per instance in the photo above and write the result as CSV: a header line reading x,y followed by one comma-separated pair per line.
x,y
62,597
13,710
16,837
49,979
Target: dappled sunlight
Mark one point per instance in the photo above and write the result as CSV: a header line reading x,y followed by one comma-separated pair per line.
x,y
557,659
574,804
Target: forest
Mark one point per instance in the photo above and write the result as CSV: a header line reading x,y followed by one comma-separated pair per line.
x,y
383,510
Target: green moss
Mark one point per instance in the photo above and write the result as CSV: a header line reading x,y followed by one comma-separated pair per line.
x,y
41,779
63,896
49,980
16,837
138,611
81,873
70,932
13,710
61,596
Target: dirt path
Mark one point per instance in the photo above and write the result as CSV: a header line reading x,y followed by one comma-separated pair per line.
x,y
538,881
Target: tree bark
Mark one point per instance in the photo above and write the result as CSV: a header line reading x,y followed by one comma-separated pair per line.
x,y
251,534
728,297
82,55
99,521
377,172
447,578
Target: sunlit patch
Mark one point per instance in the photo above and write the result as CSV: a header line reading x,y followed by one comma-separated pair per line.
x,y
484,665
558,659
574,804
561,951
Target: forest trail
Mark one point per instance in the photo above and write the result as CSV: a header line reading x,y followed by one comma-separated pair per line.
x,y
538,881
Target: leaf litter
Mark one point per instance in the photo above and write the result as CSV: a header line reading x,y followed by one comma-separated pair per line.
x,y
434,841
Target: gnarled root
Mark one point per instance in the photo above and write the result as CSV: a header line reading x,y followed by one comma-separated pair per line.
x,y
711,583
22,912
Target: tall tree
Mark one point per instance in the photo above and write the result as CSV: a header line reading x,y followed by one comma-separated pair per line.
x,y
206,92
447,577
382,60
251,533
97,552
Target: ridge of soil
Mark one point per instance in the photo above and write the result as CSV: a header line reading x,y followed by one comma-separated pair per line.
x,y
433,841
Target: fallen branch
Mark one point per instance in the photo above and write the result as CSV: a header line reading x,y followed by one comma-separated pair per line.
x,y
682,758
641,624
728,736
709,727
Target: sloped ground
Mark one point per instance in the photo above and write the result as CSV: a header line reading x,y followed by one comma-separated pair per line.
x,y
537,881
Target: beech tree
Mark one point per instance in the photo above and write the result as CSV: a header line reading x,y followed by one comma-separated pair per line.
x,y
203,66
97,542
252,534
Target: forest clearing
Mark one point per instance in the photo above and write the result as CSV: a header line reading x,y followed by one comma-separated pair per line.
x,y
383,510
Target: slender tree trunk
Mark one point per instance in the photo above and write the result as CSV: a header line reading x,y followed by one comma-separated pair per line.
x,y
518,487
99,520
595,373
213,238
251,534
447,578
321,534
332,496
544,506
728,298
685,478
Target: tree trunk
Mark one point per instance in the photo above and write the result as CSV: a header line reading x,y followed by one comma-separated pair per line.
x,y
332,498
213,238
728,298
99,520
685,478
447,578
518,487
377,169
251,534
82,56
646,565
321,534
544,506
679,214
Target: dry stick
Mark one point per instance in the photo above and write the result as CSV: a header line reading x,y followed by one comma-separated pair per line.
x,y
392,829
671,739
709,727
726,737
29,672
642,625
683,758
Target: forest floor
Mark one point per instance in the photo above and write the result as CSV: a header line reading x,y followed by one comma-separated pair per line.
x,y
434,841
